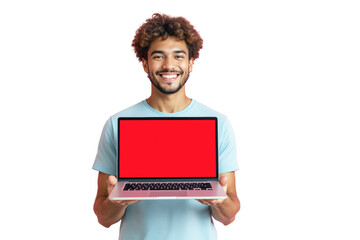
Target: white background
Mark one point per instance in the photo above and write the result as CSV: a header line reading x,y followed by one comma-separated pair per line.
x,y
286,73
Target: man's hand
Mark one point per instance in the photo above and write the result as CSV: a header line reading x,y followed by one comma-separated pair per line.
x,y
111,182
224,210
212,202
107,211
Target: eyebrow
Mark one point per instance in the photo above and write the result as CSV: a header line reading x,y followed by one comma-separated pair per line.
x,y
162,52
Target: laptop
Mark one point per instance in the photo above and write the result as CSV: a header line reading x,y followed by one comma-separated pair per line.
x,y
167,158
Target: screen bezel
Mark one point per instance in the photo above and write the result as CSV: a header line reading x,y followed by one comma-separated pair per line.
x,y
175,178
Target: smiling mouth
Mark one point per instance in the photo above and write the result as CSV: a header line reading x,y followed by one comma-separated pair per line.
x,y
169,77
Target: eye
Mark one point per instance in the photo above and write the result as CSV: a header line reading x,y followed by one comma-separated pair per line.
x,y
158,57
179,56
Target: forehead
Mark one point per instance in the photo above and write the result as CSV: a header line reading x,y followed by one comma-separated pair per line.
x,y
169,45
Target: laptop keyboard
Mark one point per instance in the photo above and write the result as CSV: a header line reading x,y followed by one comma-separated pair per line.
x,y
167,186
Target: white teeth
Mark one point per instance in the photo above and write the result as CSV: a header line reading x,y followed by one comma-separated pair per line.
x,y
169,76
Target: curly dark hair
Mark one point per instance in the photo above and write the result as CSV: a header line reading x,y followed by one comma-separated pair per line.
x,y
161,25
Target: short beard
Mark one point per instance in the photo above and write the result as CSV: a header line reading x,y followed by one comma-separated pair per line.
x,y
164,91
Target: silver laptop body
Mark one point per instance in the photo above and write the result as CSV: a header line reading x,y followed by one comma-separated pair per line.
x,y
167,158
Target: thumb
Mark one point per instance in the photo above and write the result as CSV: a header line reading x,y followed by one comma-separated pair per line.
x,y
111,181
224,181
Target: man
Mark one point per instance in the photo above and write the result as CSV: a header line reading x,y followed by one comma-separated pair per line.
x,y
167,48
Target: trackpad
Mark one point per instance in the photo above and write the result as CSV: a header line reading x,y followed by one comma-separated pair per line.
x,y
167,194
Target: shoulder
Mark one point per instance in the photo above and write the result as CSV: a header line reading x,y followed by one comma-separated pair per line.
x,y
203,110
133,110
136,110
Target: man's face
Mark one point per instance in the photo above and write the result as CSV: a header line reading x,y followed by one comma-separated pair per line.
x,y
168,65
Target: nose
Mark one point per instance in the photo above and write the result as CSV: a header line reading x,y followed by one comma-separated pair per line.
x,y
169,64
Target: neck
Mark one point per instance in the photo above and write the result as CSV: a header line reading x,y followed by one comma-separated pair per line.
x,y
168,103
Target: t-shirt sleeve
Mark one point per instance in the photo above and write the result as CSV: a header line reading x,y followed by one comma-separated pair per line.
x,y
227,148
105,160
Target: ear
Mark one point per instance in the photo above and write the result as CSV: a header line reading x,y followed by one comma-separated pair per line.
x,y
191,63
145,65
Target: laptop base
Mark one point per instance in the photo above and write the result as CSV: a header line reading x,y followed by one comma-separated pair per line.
x,y
117,193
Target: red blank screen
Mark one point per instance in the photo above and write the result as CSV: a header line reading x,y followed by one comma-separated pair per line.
x,y
167,148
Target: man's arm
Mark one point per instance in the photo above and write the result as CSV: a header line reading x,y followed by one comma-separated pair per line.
x,y
107,211
224,210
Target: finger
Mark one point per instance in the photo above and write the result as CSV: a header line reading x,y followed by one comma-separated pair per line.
x,y
224,181
131,202
125,202
111,181
117,202
205,202
212,202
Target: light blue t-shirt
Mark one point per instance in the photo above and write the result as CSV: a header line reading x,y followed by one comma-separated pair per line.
x,y
166,219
